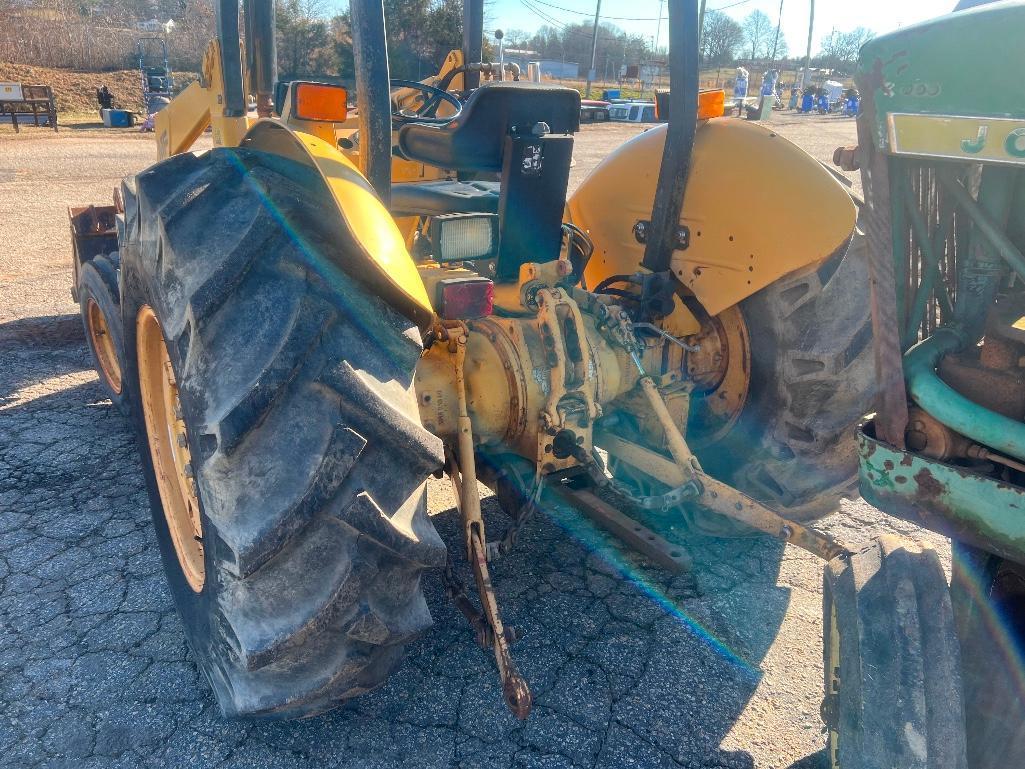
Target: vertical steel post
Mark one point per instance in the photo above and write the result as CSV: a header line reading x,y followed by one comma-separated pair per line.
x,y
594,48
684,56
261,53
473,39
226,21
373,94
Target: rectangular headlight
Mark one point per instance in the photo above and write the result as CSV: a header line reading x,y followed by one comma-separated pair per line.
x,y
464,237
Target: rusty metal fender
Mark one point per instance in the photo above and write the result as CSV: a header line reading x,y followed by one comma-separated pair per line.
x,y
385,262
757,207
946,498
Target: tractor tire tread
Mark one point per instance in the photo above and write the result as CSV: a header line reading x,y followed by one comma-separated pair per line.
x,y
812,358
899,702
319,529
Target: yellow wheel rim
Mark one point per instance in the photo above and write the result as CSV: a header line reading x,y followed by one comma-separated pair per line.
x,y
103,344
833,671
721,371
169,447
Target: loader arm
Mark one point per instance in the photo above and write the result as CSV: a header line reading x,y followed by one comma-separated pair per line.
x,y
198,107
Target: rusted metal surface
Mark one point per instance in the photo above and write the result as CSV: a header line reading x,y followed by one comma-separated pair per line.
x,y
720,369
892,408
669,556
951,500
727,501
1002,391
461,469
847,158
93,231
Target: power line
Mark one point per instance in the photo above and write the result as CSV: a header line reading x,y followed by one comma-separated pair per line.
x,y
588,13
547,18
731,5
542,15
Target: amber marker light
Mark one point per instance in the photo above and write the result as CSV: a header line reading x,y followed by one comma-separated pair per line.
x,y
322,102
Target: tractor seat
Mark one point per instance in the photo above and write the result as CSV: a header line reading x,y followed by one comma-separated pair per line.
x,y
444,197
473,142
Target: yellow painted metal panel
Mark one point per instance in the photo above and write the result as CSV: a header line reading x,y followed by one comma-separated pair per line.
x,y
757,206
997,140
359,208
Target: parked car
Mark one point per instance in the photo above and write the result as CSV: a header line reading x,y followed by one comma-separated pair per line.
x,y
593,111
633,112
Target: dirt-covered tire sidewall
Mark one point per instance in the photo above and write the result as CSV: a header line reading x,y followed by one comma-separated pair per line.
x,y
194,608
98,281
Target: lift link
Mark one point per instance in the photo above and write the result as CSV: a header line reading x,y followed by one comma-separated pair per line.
x,y
723,499
462,470
684,471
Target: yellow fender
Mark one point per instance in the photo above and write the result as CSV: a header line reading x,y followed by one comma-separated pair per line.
x,y
758,207
386,264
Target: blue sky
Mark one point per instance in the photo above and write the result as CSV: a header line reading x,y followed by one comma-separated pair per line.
x,y
879,15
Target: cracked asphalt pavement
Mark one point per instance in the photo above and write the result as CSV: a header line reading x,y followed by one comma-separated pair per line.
x,y
630,667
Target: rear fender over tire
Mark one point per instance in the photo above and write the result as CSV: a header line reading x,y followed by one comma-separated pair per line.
x,y
310,462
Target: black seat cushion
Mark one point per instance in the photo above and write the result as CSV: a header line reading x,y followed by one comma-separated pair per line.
x,y
444,197
473,141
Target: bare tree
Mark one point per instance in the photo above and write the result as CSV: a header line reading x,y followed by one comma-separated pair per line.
x,y
721,38
840,50
757,31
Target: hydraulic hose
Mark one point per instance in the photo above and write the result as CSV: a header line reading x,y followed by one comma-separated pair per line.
x,y
951,408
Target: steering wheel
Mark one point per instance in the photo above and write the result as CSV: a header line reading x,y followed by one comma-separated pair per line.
x,y
426,113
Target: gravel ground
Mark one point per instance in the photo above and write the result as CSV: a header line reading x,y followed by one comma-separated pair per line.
x,y
629,667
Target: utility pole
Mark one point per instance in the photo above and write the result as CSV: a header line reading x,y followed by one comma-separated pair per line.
x,y
701,33
807,56
658,27
775,43
594,49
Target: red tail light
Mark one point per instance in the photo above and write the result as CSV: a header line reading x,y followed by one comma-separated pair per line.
x,y
464,298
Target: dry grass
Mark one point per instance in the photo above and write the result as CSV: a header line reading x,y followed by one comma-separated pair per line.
x,y
75,92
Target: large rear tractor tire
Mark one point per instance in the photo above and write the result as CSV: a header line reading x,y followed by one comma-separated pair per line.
x,y
782,380
988,593
279,434
811,380
98,300
891,661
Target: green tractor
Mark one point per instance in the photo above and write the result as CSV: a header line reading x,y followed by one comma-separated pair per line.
x,y
917,675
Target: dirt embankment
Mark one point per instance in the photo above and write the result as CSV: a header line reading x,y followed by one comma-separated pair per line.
x,y
75,92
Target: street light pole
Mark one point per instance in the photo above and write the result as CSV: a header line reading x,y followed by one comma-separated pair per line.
x,y
775,43
594,49
807,56
658,27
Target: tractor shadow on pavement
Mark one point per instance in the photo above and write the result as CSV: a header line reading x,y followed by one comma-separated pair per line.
x,y
628,665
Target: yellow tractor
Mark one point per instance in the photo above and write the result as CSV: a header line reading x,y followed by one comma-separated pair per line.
x,y
352,292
